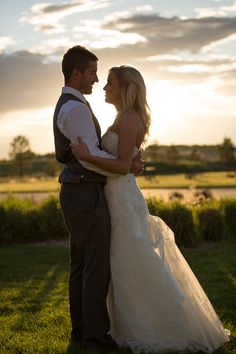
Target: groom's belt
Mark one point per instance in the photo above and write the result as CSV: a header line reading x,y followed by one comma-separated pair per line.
x,y
69,175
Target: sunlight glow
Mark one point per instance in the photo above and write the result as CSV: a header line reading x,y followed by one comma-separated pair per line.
x,y
166,102
36,125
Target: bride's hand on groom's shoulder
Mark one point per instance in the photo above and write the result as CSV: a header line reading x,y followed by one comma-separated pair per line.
x,y
80,150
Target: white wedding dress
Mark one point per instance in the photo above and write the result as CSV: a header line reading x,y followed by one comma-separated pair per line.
x,y
155,302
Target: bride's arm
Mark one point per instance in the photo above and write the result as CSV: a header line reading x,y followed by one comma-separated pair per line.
x,y
127,131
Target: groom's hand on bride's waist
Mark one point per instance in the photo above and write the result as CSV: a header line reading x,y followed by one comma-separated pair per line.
x,y
137,166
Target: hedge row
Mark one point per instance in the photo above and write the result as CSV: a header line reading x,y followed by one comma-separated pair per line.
x,y
23,221
209,221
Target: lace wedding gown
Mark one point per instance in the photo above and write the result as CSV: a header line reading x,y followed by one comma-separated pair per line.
x,y
155,302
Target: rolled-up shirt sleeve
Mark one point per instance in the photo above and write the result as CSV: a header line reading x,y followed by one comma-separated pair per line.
x,y
75,120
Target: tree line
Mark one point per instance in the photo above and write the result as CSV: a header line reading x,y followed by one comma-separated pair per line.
x,y
158,159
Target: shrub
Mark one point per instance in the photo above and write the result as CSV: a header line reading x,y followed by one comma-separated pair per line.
x,y
23,221
13,219
178,217
155,205
52,223
229,212
176,196
204,194
210,224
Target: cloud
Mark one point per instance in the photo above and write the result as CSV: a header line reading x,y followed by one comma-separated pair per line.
x,y
5,42
160,47
47,8
144,8
53,47
210,66
169,35
124,36
31,80
229,10
46,17
103,38
227,84
180,69
186,71
51,29
27,81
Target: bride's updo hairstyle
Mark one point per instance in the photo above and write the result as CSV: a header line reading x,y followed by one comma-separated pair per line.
x,y
133,93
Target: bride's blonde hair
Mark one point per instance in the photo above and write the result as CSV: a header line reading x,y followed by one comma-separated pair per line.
x,y
133,93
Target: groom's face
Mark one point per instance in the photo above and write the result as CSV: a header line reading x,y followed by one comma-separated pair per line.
x,y
88,78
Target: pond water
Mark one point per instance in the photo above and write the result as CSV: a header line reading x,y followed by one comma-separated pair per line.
x,y
189,193
160,193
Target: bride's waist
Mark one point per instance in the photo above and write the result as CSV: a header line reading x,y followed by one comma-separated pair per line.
x,y
121,183
127,177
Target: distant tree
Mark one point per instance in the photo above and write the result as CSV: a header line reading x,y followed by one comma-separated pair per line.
x,y
195,154
50,168
227,152
20,152
173,155
151,152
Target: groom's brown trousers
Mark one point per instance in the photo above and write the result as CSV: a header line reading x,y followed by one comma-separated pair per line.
x,y
87,218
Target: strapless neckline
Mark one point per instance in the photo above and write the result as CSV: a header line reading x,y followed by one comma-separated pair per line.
x,y
117,135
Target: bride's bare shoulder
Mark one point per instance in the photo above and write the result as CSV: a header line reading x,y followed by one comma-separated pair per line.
x,y
131,127
131,120
130,117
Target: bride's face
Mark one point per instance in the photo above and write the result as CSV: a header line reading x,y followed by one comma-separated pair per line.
x,y
112,90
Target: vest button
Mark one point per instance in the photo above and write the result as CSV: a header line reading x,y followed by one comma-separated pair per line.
x,y
81,178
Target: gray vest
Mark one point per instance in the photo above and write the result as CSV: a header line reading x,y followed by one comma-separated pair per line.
x,y
73,171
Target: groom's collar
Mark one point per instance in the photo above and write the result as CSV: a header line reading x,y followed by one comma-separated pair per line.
x,y
72,91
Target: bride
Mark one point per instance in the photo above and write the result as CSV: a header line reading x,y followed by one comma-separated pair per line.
x,y
155,301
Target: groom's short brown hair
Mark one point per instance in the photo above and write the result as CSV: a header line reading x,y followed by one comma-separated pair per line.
x,y
77,57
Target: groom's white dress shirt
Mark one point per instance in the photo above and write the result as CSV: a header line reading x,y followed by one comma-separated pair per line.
x,y
75,120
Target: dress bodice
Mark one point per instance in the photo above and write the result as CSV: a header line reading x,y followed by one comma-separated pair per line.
x,y
110,143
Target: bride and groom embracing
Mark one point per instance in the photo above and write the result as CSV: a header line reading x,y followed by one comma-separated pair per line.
x,y
129,285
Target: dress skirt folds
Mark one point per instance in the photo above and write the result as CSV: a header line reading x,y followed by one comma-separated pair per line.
x,y
155,301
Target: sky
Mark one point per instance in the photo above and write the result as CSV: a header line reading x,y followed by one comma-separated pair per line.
x,y
185,50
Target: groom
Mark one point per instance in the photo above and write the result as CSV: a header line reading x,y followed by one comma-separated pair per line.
x,y
83,203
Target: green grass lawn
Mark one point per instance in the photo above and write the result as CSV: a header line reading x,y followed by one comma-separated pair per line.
x,y
29,185
34,314
209,179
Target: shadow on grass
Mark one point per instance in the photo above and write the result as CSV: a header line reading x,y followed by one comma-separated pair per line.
x,y
31,300
78,349
35,278
215,268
